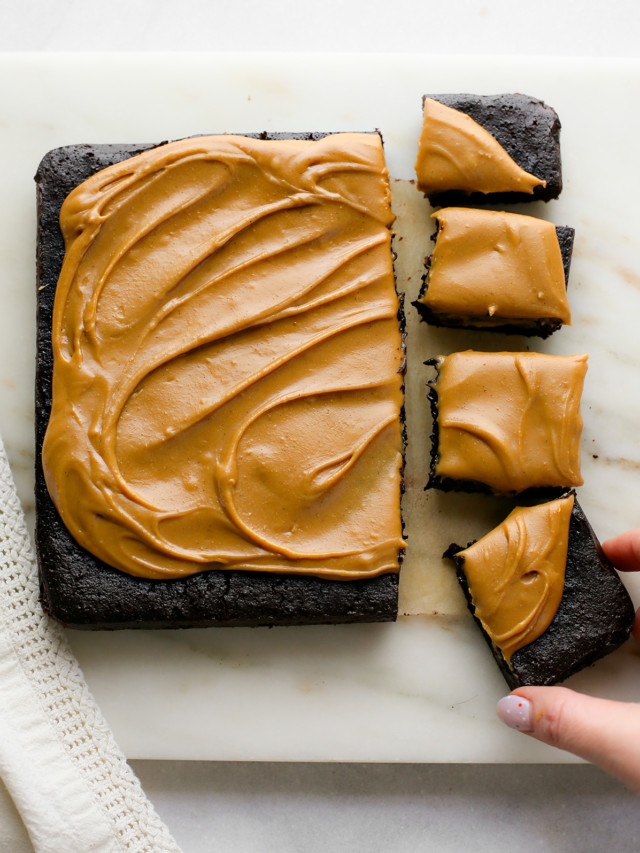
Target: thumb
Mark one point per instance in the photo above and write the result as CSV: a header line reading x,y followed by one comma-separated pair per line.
x,y
603,732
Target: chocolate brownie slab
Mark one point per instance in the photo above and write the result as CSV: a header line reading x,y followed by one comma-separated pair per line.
x,y
84,592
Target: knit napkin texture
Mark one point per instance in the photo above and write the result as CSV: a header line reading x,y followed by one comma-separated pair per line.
x,y
58,757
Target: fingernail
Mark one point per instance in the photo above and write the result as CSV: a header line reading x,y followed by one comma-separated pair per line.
x,y
516,712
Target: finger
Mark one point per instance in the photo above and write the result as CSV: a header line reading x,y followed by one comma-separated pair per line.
x,y
624,551
603,732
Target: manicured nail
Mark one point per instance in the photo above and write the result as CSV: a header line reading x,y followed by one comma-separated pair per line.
x,y
516,712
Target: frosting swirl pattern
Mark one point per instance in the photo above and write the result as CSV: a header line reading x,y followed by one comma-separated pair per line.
x,y
227,361
510,420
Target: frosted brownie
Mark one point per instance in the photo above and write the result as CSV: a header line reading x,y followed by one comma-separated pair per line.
x,y
546,598
488,148
224,429
497,271
506,422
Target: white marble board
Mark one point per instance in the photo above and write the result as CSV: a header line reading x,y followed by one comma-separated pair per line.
x,y
423,689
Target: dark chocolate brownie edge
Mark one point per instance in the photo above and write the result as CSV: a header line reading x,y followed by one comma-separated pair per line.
x,y
566,236
540,328
594,618
432,398
402,322
81,591
527,129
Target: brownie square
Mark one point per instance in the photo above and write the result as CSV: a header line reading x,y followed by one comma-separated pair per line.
x,y
80,590
594,617
497,271
525,127
506,422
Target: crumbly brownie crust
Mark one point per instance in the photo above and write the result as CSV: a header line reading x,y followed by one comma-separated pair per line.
x,y
594,618
83,592
542,327
527,129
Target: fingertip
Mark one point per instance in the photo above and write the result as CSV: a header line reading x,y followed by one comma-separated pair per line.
x,y
516,712
624,551
602,731
524,708
545,711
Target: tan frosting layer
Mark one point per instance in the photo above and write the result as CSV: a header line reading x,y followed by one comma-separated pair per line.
x,y
496,265
510,420
516,573
456,153
227,361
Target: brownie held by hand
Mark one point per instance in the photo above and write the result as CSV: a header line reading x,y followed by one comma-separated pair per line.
x,y
547,600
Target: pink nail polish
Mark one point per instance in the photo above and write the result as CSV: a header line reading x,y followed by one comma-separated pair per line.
x,y
516,712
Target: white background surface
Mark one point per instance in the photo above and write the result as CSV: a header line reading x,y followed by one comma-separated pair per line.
x,y
284,807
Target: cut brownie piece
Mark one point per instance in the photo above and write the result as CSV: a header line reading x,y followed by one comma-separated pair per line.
x,y
506,422
546,598
497,271
262,583
488,148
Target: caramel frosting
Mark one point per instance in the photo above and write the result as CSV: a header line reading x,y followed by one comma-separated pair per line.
x,y
456,153
510,420
495,265
516,573
227,380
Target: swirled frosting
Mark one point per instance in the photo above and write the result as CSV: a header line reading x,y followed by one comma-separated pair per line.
x,y
494,265
516,573
227,361
456,153
510,420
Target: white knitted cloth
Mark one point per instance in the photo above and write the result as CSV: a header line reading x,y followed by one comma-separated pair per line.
x,y
58,757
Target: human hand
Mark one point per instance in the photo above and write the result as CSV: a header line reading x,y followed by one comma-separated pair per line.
x,y
603,732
